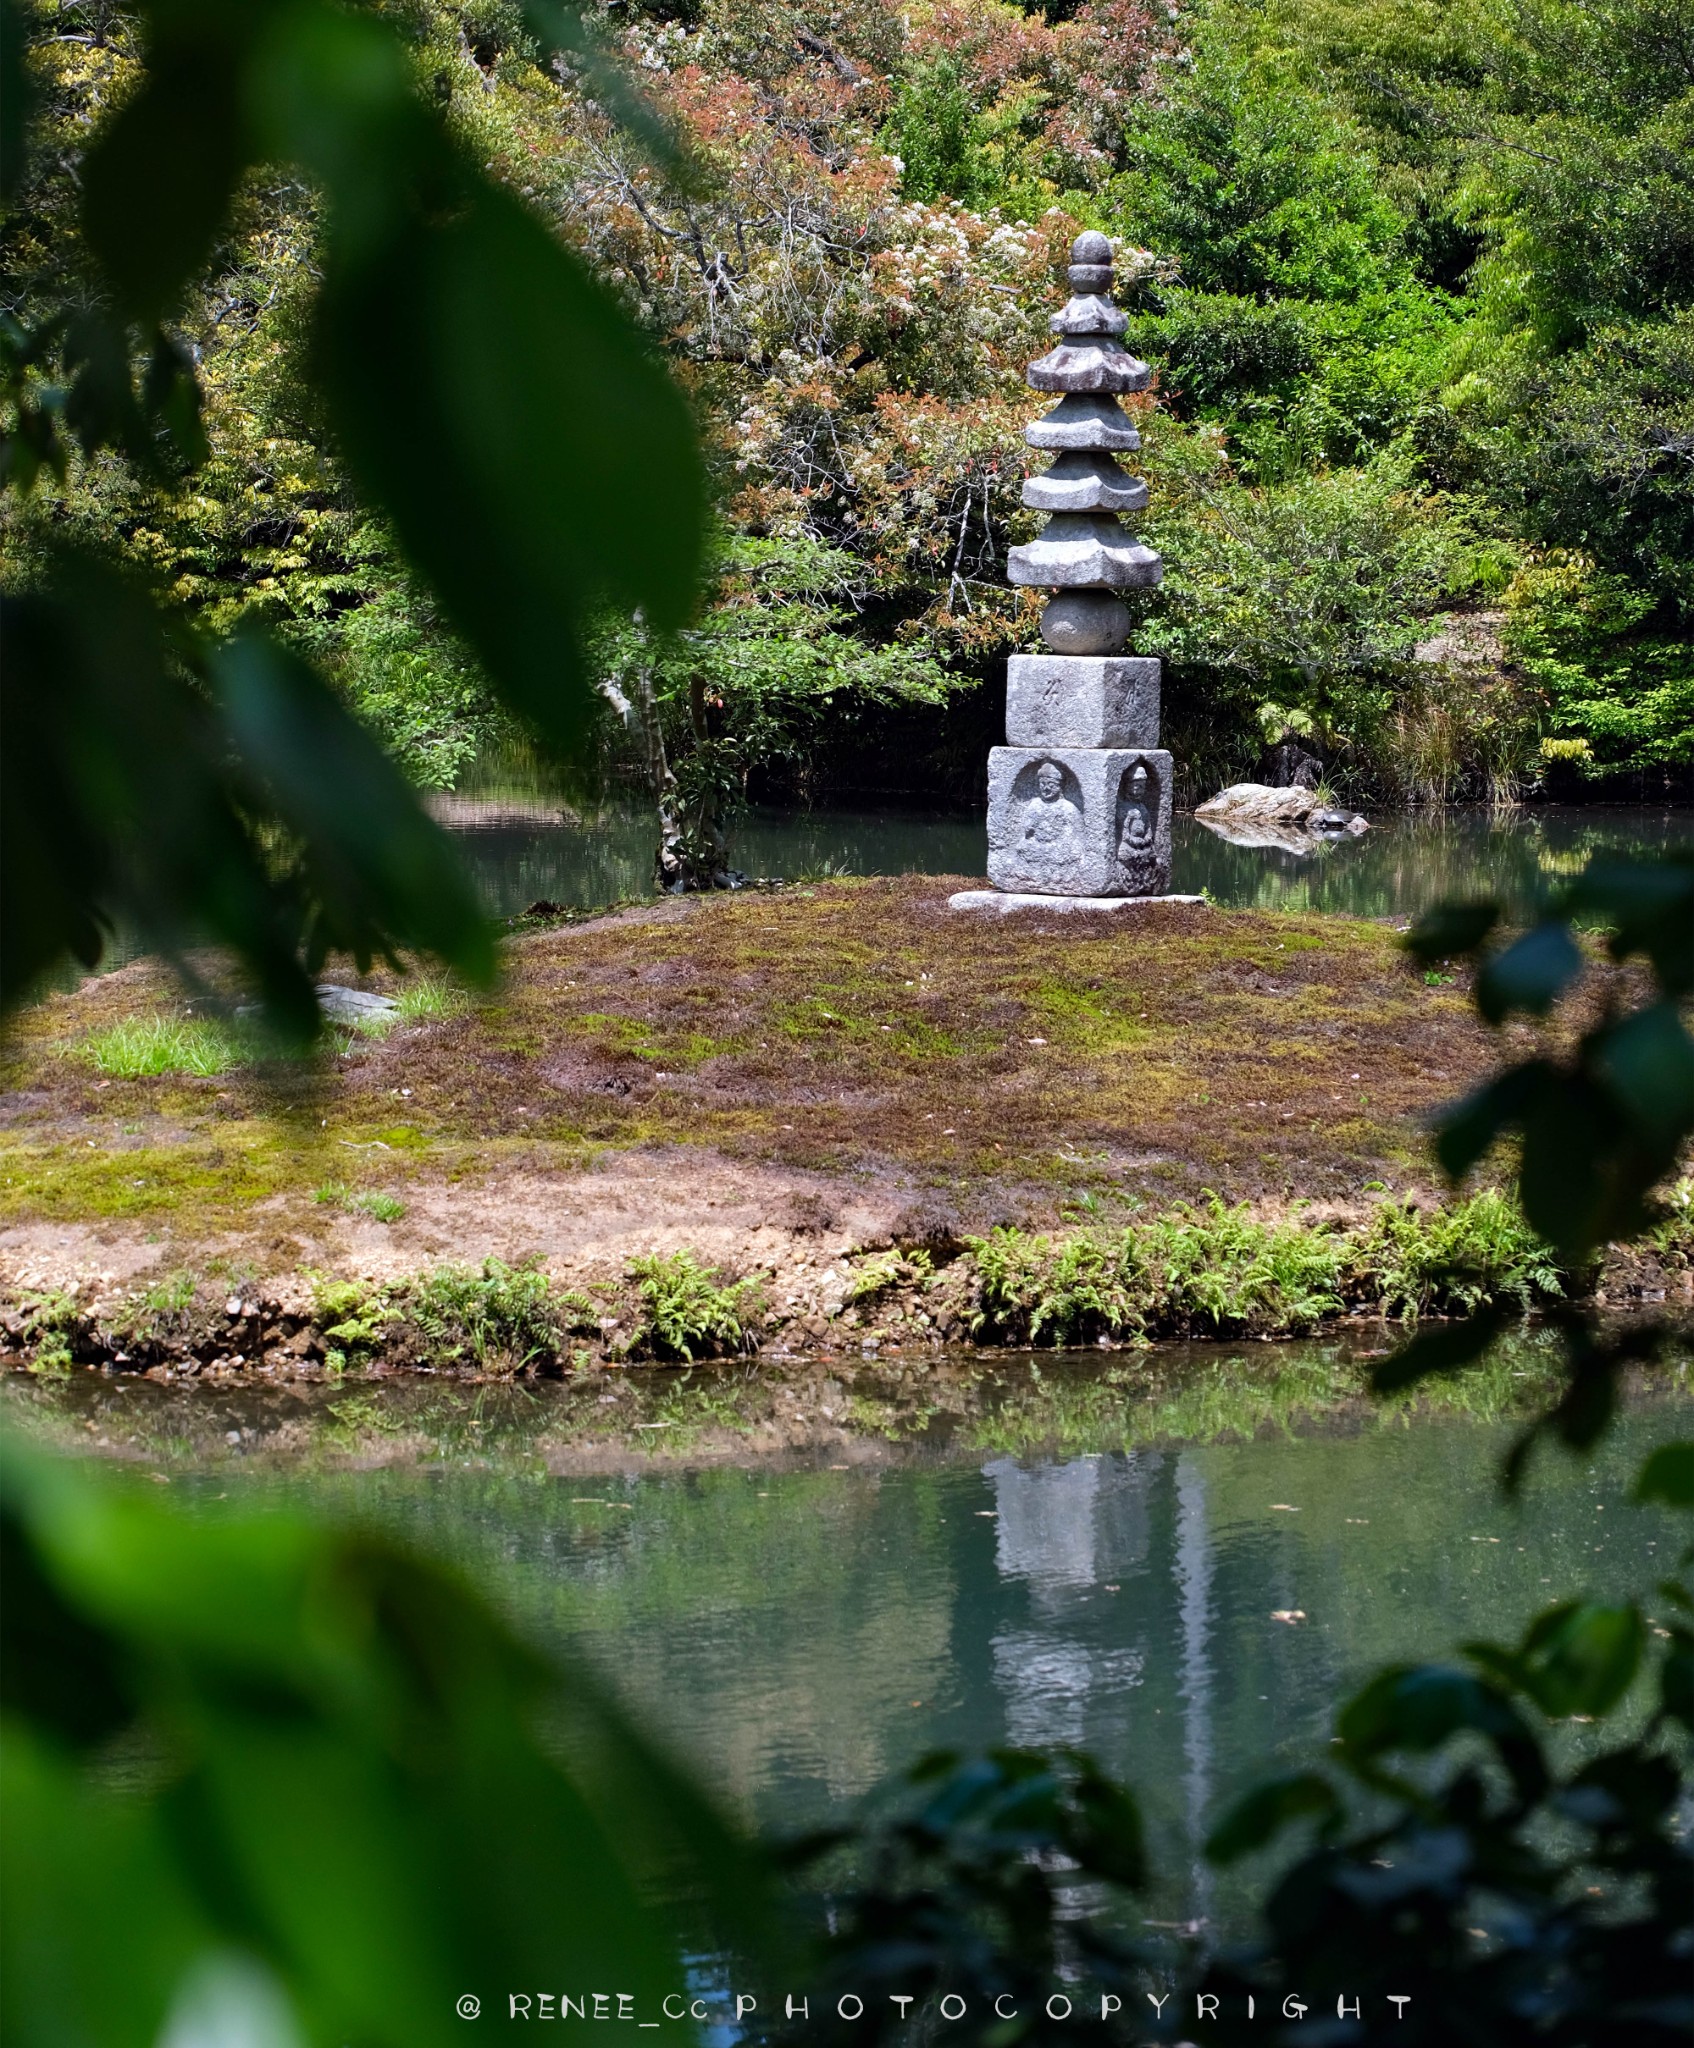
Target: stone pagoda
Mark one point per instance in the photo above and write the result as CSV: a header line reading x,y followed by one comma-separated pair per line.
x,y
1079,800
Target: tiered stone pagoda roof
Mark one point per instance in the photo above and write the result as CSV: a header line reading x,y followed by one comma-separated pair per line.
x,y
1083,547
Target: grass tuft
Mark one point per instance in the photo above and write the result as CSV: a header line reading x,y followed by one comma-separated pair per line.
x,y
140,1046
429,999
370,1202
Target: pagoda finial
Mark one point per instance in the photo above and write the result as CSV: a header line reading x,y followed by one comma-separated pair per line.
x,y
1084,553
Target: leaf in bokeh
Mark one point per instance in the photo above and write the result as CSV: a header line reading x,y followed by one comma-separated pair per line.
x,y
352,1785
1568,1179
1580,1657
1104,1831
1469,1127
382,873
158,181
1649,905
1647,1061
17,90
1668,1476
115,795
1260,1816
535,461
1450,1347
1418,1708
1530,974
1449,930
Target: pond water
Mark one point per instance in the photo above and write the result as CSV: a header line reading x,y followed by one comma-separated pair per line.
x,y
527,843
804,1624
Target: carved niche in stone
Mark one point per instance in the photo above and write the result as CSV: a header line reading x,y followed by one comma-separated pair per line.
x,y
1047,807
1143,864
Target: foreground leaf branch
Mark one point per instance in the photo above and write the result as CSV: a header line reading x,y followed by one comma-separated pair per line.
x,y
493,402
1600,1128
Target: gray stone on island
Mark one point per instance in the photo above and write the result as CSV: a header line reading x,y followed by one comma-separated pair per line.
x,y
1089,363
1079,821
1101,700
1084,622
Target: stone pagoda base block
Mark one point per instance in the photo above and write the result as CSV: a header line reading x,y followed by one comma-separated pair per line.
x,y
1079,821
1002,902
1082,700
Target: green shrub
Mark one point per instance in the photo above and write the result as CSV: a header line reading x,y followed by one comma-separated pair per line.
x,y
162,1045
51,1324
1213,1269
1219,1271
1032,1291
1449,1261
883,1270
687,1311
495,1314
354,1317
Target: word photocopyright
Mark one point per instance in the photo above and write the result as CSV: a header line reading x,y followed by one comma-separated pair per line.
x,y
742,2007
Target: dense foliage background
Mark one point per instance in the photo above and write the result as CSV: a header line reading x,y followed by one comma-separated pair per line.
x,y
1418,280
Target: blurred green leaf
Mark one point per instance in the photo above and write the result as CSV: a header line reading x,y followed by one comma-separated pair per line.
x,y
1468,1128
97,1926
1448,1347
1103,1829
352,1784
381,872
1450,930
17,93
1419,1708
1262,1814
1570,1177
559,467
1647,1060
1649,906
1530,975
495,402
1668,1476
1580,1658
566,30
56,1667
113,796
158,181
1676,1679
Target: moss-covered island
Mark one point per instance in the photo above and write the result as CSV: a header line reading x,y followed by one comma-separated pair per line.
x,y
811,1119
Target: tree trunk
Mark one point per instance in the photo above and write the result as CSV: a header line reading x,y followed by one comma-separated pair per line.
x,y
671,865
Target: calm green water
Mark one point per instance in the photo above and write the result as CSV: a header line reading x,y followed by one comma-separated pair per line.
x,y
527,844
806,1624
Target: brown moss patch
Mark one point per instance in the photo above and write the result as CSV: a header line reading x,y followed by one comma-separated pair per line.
x,y
858,1028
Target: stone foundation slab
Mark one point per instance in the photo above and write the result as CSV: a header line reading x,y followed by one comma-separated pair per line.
x,y
1003,901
